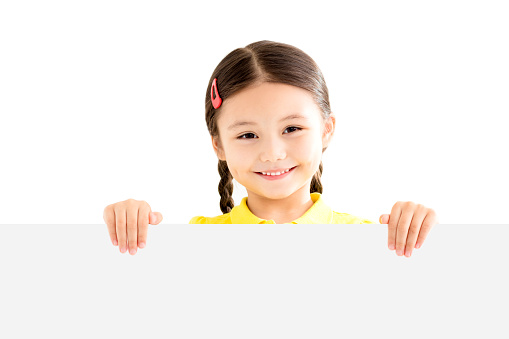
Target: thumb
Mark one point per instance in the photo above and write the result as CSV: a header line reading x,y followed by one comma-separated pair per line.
x,y
155,218
384,218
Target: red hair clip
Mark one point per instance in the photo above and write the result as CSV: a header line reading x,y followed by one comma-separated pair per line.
x,y
214,95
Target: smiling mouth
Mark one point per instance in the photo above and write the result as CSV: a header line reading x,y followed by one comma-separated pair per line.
x,y
280,173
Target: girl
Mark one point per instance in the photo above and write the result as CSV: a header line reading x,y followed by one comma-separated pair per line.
x,y
268,114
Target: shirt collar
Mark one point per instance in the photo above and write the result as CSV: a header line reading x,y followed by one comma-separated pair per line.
x,y
319,213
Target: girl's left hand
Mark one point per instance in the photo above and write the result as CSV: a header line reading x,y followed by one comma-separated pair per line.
x,y
409,224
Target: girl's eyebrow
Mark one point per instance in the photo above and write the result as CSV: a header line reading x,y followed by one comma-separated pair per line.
x,y
242,123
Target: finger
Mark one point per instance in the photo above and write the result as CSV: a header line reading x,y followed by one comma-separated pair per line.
x,y
429,221
403,224
413,231
132,226
143,221
109,219
158,217
393,224
120,228
384,219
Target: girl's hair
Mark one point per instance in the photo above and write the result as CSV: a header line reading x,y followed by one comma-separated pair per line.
x,y
263,61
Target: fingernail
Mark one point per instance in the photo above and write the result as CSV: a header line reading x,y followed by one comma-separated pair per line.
x,y
399,252
408,253
122,250
391,247
142,245
417,245
132,251
115,243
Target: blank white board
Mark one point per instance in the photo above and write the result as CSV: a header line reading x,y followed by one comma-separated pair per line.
x,y
253,281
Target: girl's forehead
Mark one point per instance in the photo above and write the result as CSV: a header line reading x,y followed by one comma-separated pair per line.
x,y
268,101
267,93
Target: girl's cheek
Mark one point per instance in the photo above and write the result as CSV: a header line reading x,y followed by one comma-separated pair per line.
x,y
305,147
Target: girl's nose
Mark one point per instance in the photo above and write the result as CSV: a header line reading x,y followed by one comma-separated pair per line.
x,y
273,150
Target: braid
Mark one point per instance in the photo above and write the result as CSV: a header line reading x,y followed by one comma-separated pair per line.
x,y
225,187
316,183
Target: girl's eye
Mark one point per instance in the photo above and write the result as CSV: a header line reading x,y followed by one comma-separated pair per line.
x,y
241,137
294,127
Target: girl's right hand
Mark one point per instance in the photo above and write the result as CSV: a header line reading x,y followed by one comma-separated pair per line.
x,y
128,223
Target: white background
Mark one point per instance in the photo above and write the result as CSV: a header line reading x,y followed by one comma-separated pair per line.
x,y
101,101
253,281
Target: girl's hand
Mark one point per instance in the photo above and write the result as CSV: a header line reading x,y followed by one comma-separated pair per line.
x,y
409,224
128,222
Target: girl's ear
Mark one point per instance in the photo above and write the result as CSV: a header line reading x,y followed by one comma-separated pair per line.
x,y
328,131
218,149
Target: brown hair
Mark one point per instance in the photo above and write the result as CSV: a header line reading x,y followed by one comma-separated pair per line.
x,y
263,61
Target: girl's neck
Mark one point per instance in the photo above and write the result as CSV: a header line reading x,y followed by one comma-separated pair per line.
x,y
281,210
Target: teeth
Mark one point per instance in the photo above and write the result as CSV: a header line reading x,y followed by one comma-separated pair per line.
x,y
277,173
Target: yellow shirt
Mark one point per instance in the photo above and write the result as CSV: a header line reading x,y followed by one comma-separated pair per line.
x,y
319,213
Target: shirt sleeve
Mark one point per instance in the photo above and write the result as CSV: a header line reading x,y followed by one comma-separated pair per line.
x,y
197,220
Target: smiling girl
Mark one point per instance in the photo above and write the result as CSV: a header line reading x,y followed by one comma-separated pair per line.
x,y
268,114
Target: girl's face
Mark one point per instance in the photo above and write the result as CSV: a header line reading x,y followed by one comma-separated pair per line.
x,y
260,133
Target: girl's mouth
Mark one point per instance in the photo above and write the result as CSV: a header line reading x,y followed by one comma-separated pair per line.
x,y
276,177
